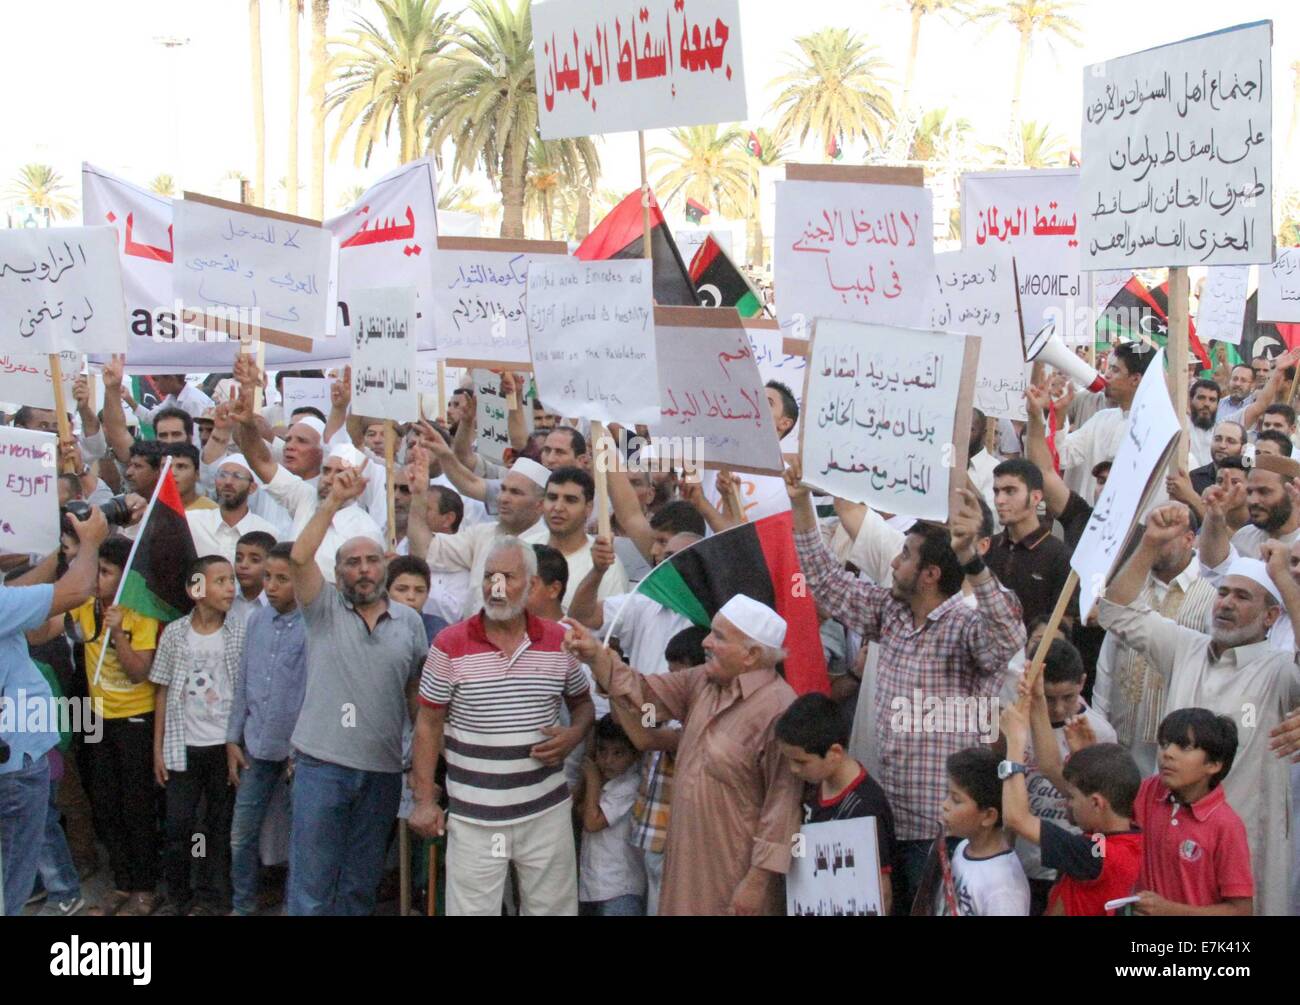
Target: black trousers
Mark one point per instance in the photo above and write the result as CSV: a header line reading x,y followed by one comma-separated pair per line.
x,y
123,797
204,780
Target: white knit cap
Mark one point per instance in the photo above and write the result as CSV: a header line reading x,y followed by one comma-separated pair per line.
x,y
1257,572
348,454
534,472
757,620
311,422
237,459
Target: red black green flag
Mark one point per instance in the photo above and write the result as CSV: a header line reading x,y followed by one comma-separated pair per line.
x,y
757,559
754,146
718,283
1136,311
155,579
620,235
1261,338
696,211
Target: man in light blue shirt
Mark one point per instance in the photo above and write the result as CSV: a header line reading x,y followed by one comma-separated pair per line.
x,y
25,698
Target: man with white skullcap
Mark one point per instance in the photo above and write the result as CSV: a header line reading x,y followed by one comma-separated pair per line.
x,y
1233,671
735,800
216,531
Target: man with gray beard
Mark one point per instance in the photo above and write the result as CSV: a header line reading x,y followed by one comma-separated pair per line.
x,y
1233,671
363,663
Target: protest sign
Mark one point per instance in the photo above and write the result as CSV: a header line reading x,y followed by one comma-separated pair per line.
x,y
606,66
888,415
1104,287
61,290
479,295
29,516
254,272
776,361
710,390
306,392
1034,215
852,245
27,380
591,329
974,293
1222,304
1152,434
1177,154
492,412
384,354
1279,287
838,874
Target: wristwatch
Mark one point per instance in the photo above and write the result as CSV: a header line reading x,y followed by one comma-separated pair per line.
x,y
1008,768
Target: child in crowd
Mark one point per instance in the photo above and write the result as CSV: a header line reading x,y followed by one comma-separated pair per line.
x,y
263,711
196,669
611,874
987,877
813,736
408,584
250,572
1099,784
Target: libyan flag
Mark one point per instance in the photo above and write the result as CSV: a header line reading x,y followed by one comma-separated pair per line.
x,y
1136,311
620,235
757,559
718,283
154,584
1261,338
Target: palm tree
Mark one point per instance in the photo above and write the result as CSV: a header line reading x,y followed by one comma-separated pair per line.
x,y
377,68
1038,147
834,91
320,12
708,165
484,99
41,187
1032,19
921,9
939,137
772,150
543,184
349,196
259,110
163,184
295,86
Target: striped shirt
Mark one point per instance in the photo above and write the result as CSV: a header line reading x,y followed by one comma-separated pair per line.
x,y
497,706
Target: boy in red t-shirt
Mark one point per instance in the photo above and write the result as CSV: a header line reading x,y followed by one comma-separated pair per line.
x,y
1100,782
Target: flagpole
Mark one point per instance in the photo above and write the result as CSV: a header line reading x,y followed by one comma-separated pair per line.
x,y
645,200
390,488
1178,327
121,583
61,409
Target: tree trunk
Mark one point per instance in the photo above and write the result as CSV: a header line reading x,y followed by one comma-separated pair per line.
x,y
259,111
911,60
320,12
582,225
512,194
295,85
755,239
1022,57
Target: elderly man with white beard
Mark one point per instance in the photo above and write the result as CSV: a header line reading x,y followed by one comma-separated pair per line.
x,y
1234,671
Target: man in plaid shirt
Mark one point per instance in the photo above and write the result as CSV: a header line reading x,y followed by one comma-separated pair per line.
x,y
940,659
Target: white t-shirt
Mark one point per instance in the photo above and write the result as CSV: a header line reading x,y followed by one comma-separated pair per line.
x,y
609,866
986,887
208,690
614,581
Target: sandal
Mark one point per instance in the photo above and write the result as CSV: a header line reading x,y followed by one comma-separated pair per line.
x,y
110,906
140,905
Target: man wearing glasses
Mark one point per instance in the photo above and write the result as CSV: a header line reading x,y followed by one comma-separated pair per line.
x,y
216,531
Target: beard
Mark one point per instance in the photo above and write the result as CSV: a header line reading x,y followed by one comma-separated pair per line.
x,y
359,595
233,500
504,612
1203,420
1275,516
1228,638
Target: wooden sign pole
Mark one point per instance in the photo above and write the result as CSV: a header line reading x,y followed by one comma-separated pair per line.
x,y
645,201
431,904
1058,612
599,458
442,391
390,452
1178,324
60,410
404,867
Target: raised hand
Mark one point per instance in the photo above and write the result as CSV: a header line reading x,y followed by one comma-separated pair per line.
x,y
794,486
602,554
964,525
348,484
1165,523
1079,733
341,390
417,469
113,371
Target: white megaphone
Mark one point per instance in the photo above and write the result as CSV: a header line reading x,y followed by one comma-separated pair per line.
x,y
1047,347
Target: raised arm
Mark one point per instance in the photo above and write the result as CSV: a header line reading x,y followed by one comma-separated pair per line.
x,y
254,448
116,435
77,585
1215,538
340,399
585,605
466,429
348,484
466,482
627,511
1278,558
992,640
512,385
1271,390
418,534
1055,492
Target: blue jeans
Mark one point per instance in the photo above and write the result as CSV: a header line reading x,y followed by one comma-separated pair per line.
x,y
630,905
54,865
342,818
256,786
24,804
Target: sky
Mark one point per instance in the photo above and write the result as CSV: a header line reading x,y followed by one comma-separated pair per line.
x,y
110,93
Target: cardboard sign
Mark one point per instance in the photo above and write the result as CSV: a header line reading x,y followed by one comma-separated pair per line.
x,y
29,476
1178,154
61,290
838,875
492,413
307,392
606,66
1279,287
27,380
777,362
384,383
888,415
1222,305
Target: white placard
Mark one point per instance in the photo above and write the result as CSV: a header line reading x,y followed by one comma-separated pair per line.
x,y
1222,305
384,378
882,409
1153,428
711,392
839,873
492,412
1105,286
607,66
973,293
775,364
254,269
61,290
852,252
1035,215
307,392
1177,154
1279,287
29,473
26,380
591,327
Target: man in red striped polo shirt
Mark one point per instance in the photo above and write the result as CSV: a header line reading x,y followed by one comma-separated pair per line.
x,y
490,701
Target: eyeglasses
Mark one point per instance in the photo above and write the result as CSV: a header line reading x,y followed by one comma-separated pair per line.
x,y
233,476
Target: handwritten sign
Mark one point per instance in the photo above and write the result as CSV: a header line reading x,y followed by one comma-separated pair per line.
x,y
479,296
710,389
1222,305
29,516
1279,287
888,415
839,873
1153,430
974,293
384,354
768,341
591,328
1105,286
26,380
61,289
605,66
492,413
1177,154
307,392
1034,215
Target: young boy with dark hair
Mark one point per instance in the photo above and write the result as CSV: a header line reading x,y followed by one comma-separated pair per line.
x,y
987,877
611,873
196,668
408,584
250,571
813,735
